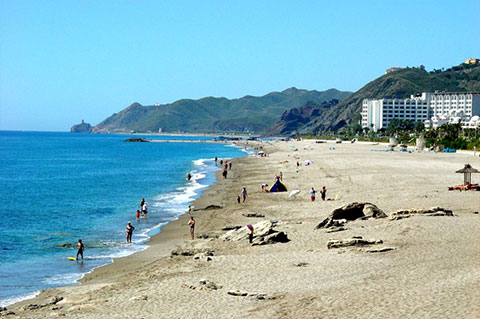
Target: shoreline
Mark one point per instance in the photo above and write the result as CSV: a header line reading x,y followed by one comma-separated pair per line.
x,y
301,278
163,242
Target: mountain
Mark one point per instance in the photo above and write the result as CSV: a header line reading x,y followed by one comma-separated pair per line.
x,y
211,114
81,128
294,118
398,84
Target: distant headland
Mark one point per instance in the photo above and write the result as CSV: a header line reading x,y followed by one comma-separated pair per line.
x,y
81,128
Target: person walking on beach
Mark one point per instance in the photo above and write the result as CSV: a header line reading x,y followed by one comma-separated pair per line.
x,y
244,194
191,224
130,230
224,174
250,236
312,194
80,247
281,177
323,192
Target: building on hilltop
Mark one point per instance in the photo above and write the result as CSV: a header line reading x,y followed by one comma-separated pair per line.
x,y
393,69
432,109
472,61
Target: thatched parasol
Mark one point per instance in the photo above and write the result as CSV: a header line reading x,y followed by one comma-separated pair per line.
x,y
467,173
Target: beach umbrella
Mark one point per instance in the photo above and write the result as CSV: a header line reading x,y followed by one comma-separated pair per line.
x,y
467,171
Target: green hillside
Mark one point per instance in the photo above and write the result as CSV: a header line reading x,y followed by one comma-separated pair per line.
x,y
210,114
399,84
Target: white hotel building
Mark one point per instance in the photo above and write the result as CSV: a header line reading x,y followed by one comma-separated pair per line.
x,y
433,109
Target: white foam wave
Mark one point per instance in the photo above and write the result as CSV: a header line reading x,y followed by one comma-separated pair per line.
x,y
7,301
63,279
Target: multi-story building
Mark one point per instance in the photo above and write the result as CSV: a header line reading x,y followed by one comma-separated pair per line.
x,y
432,109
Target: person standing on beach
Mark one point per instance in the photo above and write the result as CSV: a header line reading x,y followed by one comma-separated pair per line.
x,y
191,224
312,194
250,236
244,194
323,192
81,247
281,177
130,230
230,165
224,174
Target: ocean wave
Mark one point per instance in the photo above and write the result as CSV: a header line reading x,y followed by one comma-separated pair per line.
x,y
63,279
13,299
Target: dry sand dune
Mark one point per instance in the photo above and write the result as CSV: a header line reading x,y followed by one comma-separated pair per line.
x,y
433,271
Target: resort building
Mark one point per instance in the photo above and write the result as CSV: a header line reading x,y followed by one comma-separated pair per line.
x,y
432,109
472,61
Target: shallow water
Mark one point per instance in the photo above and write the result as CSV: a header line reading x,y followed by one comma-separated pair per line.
x,y
58,187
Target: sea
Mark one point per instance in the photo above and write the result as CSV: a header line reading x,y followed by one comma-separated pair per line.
x,y
58,187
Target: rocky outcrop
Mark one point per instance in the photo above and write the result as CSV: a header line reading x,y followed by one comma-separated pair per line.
x,y
137,139
81,128
264,233
354,241
338,217
434,211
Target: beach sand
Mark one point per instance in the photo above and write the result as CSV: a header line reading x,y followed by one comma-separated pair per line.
x,y
433,271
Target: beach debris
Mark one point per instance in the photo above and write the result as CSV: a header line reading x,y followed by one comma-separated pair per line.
x,y
434,211
264,233
209,207
254,215
191,252
380,249
230,227
475,213
351,211
208,285
335,229
205,255
136,139
301,264
237,293
354,241
4,312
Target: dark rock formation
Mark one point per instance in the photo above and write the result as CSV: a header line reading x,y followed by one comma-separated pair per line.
x,y
352,211
137,139
82,128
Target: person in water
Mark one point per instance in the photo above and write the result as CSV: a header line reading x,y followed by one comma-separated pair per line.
x,y
145,209
191,224
189,176
138,214
130,230
141,203
80,247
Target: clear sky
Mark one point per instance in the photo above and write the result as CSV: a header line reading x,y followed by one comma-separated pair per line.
x,y
64,61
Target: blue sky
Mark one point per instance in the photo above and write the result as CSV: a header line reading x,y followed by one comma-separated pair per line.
x,y
64,61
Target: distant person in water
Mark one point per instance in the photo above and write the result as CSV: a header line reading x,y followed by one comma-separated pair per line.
x,y
312,194
244,194
189,176
323,192
141,203
216,159
138,214
80,247
224,174
130,230
191,224
145,209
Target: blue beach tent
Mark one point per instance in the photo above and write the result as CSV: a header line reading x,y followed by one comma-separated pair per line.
x,y
277,187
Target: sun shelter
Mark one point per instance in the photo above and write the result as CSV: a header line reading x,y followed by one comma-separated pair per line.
x,y
467,173
278,187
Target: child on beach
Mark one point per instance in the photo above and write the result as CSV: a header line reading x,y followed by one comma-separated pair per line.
x,y
191,223
130,230
312,194
239,199
81,247
250,236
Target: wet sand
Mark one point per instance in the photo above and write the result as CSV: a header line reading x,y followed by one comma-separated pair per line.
x,y
433,271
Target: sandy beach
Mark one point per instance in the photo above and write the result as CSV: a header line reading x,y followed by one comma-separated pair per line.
x,y
431,268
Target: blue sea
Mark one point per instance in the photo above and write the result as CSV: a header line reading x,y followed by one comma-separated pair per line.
x,y
56,188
